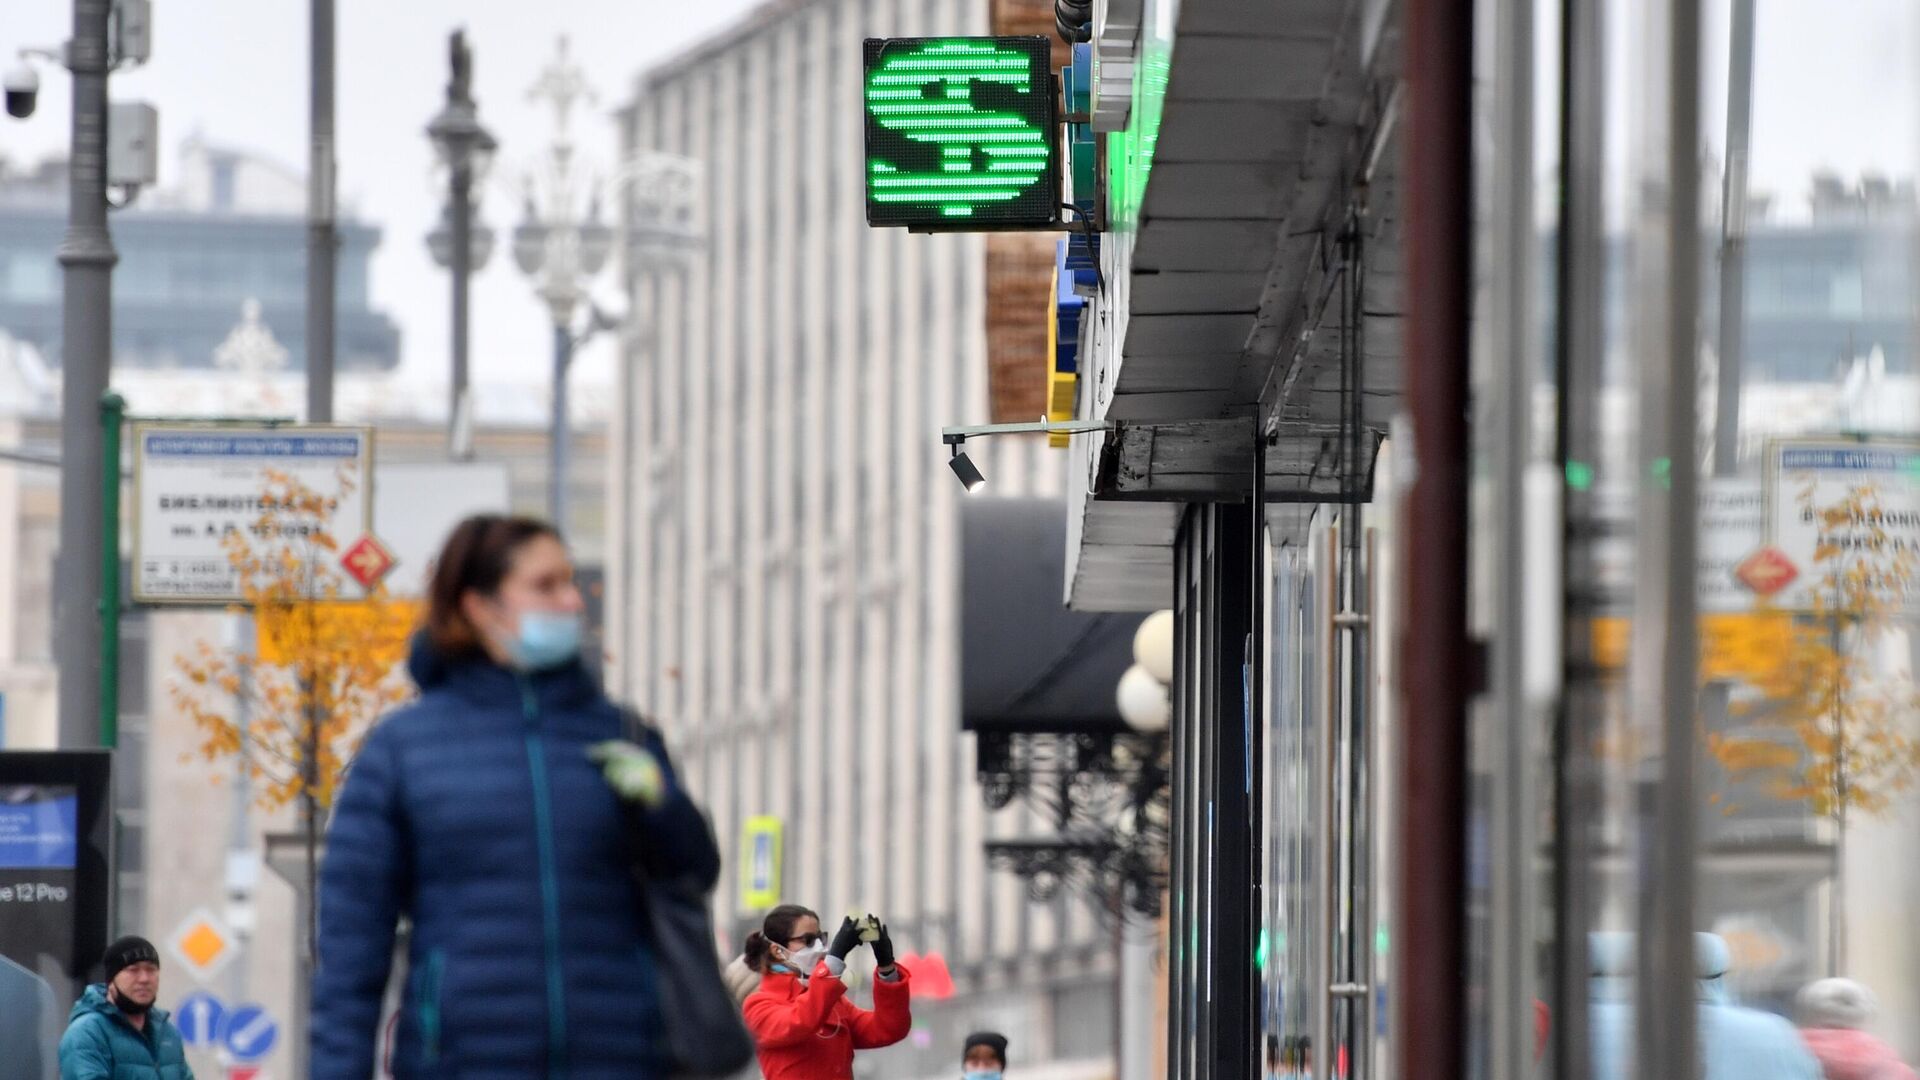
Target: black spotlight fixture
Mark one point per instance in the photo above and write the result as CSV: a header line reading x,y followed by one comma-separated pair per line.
x,y
970,475
963,467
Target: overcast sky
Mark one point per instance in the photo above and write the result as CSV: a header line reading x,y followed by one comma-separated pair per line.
x,y
1839,87
236,72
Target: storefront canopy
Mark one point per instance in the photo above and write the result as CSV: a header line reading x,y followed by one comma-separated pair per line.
x,y
1027,663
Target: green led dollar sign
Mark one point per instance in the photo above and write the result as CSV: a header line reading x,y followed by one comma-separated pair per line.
x,y
943,94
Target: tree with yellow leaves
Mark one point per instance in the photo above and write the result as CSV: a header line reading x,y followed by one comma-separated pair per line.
x,y
1851,745
1829,726
294,709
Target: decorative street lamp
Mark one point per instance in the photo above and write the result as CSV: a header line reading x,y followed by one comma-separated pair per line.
x,y
562,251
479,242
1108,792
466,151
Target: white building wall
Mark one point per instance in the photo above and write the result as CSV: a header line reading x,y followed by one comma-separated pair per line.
x,y
789,568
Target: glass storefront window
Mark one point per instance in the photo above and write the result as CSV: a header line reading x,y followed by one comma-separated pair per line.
x,y
1727,777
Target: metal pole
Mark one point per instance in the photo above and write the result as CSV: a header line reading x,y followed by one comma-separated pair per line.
x,y
1440,672
462,265
87,259
1580,348
1667,1025
1228,977
305,911
28,457
1512,793
1326,832
1252,842
113,415
1837,909
1733,242
240,840
558,432
321,240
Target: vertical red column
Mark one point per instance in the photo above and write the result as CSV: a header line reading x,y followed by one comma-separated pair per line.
x,y
1428,988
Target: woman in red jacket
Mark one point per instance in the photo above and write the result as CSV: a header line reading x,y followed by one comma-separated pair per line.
x,y
801,1020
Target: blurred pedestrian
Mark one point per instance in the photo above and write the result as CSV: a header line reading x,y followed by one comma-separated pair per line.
x,y
1736,1043
742,979
29,1025
1834,1014
801,1021
115,1032
984,1056
482,813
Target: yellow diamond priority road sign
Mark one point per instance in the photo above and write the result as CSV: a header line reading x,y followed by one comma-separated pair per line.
x,y
204,944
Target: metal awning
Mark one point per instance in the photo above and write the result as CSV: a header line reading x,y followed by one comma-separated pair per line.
x,y
1262,105
1279,120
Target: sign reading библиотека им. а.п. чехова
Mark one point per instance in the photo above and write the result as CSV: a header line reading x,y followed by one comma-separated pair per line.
x,y
194,486
1844,494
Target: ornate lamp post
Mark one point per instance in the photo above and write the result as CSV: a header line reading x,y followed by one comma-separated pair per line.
x,y
562,250
1108,792
466,150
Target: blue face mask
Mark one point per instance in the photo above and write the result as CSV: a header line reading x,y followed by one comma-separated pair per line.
x,y
981,1074
545,640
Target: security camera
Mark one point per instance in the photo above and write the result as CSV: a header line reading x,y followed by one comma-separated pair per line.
x,y
23,90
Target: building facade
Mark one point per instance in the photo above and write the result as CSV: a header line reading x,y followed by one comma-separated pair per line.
x,y
784,537
231,230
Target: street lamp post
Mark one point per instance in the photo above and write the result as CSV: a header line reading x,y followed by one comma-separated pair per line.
x,y
87,259
466,149
562,251
322,238
107,36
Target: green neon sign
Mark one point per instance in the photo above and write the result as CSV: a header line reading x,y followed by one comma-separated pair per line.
x,y
961,133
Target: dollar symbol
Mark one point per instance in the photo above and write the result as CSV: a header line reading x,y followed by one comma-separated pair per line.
x,y
955,127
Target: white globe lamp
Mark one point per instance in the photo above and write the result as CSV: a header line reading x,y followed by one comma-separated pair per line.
x,y
1143,700
1153,646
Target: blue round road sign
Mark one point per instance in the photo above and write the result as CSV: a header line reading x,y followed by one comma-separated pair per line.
x,y
250,1033
199,1018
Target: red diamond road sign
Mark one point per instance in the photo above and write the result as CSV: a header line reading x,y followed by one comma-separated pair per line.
x,y
1766,571
368,561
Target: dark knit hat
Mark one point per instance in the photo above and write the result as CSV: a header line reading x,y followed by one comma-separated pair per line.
x,y
127,952
993,1041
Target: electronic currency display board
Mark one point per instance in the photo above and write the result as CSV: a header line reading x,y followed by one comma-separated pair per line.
x,y
962,134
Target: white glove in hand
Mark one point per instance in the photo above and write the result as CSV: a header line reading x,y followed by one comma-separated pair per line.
x,y
631,771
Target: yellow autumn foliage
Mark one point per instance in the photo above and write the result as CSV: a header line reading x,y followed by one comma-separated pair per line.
x,y
1824,728
325,668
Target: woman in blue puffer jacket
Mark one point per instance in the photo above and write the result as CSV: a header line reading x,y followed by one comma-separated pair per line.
x,y
480,813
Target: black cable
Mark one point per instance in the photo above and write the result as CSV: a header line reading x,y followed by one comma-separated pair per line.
x,y
1092,237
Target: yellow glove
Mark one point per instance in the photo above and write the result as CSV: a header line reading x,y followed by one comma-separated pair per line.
x,y
631,771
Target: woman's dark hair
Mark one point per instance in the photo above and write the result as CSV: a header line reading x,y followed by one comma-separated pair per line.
x,y
775,929
477,557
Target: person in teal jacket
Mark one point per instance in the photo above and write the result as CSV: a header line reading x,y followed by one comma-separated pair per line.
x,y
114,1031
